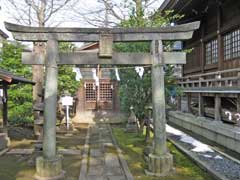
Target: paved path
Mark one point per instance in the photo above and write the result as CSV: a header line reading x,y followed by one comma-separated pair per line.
x,y
102,159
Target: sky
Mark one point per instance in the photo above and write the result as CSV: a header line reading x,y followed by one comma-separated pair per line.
x,y
5,16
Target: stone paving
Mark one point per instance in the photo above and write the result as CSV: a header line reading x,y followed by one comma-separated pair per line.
x,y
102,159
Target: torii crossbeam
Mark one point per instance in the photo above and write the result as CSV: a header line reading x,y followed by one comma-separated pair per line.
x,y
160,160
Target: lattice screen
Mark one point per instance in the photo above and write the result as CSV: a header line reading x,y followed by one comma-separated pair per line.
x,y
90,92
105,92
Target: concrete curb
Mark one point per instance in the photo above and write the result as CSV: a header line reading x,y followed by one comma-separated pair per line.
x,y
217,132
123,162
216,175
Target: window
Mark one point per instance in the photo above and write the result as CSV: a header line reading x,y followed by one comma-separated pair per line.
x,y
232,45
211,52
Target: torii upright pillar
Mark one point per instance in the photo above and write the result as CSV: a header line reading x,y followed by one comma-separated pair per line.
x,y
160,160
49,166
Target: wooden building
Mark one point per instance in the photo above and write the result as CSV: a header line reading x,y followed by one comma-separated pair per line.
x,y
93,97
6,79
211,77
3,35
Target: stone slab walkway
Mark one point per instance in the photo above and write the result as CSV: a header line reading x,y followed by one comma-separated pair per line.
x,y
102,159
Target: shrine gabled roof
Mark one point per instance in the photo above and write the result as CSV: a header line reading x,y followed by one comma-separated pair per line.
x,y
193,10
10,78
3,34
168,4
87,46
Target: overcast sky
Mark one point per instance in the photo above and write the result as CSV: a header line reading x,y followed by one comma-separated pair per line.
x,y
4,16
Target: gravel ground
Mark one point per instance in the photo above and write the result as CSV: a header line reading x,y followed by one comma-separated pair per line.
x,y
214,159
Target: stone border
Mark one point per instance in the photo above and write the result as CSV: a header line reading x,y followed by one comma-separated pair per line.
x,y
200,163
123,162
2,152
215,131
20,151
84,162
226,155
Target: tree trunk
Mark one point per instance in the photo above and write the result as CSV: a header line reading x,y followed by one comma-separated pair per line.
x,y
38,75
139,8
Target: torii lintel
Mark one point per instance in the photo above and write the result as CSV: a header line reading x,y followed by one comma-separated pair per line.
x,y
178,32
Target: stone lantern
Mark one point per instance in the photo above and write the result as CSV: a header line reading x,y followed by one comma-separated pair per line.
x,y
132,125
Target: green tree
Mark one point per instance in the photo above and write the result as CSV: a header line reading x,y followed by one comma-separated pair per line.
x,y
134,90
66,77
19,95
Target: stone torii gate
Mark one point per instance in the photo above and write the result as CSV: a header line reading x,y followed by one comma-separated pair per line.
x,y
160,161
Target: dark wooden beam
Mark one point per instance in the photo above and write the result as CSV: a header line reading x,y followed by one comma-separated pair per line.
x,y
189,100
200,105
118,58
179,32
179,103
219,38
5,105
217,111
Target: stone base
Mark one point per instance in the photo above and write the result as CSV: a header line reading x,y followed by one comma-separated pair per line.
x,y
147,150
38,146
4,141
49,169
132,128
160,165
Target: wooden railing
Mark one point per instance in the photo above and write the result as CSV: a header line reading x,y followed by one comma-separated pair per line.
x,y
217,83
225,79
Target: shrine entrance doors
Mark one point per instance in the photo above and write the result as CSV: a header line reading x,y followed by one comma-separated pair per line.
x,y
98,97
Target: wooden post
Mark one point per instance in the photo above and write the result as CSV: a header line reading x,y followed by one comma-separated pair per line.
x,y
238,96
238,103
219,38
39,48
160,161
179,103
200,105
217,114
80,106
50,165
116,99
189,99
200,100
5,106
238,108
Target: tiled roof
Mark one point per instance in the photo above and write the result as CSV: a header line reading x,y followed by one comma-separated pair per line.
x,y
13,79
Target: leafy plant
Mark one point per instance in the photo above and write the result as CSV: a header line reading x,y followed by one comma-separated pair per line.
x,y
135,91
19,95
66,77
